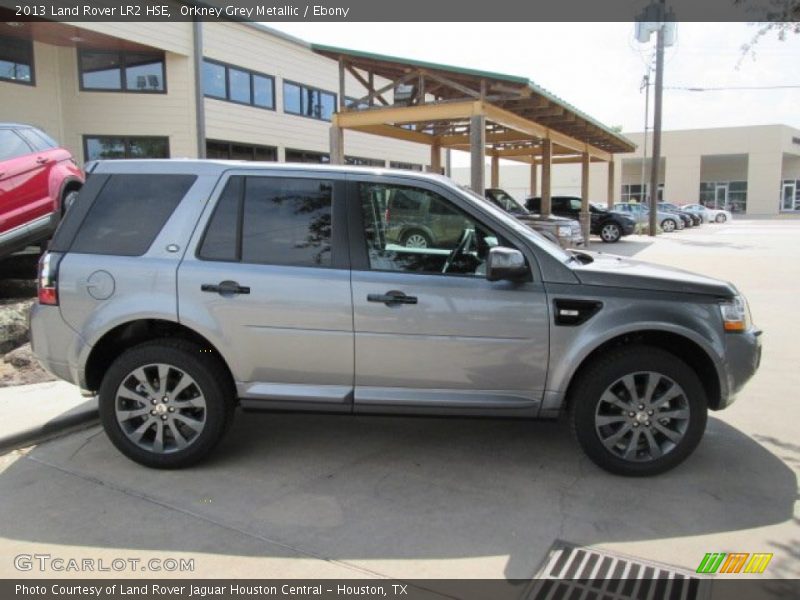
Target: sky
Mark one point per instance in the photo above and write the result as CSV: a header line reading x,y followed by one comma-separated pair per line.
x,y
598,67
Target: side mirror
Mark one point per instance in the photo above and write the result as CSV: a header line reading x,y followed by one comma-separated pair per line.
x,y
505,263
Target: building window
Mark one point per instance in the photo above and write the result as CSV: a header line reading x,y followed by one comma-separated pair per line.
x,y
101,147
307,156
790,195
234,84
16,61
405,165
725,195
364,162
633,192
307,101
113,71
236,151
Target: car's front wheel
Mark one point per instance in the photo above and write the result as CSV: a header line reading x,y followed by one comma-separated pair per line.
x,y
721,218
669,225
610,233
166,403
638,411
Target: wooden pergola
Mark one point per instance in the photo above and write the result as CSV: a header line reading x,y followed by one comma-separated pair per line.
x,y
484,113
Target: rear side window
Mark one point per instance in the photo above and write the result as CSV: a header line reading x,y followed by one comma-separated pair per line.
x,y
271,220
129,212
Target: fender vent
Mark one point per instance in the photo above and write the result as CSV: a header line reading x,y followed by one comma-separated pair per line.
x,y
574,312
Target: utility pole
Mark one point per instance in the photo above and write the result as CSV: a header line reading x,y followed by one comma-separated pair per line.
x,y
646,84
657,95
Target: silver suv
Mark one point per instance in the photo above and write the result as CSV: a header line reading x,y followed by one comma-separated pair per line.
x,y
177,290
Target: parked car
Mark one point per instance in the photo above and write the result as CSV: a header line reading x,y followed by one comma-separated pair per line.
x,y
175,290
666,221
609,225
717,215
38,182
684,216
564,232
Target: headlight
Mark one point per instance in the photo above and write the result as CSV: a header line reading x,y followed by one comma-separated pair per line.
x,y
564,231
735,314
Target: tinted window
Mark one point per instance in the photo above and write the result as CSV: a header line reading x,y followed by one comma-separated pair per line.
x,y
144,72
263,91
16,60
235,151
106,147
220,240
287,222
129,212
37,139
101,70
310,102
122,71
11,145
305,156
438,238
239,86
214,80
291,98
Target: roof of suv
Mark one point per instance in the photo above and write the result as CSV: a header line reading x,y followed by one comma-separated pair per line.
x,y
212,166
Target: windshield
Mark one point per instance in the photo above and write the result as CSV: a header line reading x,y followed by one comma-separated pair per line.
x,y
524,231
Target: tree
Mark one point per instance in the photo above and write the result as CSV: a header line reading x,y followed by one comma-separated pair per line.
x,y
784,21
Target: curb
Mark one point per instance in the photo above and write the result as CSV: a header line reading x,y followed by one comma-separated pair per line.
x,y
82,416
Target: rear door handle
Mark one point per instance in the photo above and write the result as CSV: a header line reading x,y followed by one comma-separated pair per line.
x,y
225,288
391,298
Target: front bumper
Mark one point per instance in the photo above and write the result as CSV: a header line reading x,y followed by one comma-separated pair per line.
x,y
742,359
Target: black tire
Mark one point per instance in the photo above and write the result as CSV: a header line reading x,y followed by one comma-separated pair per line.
x,y
411,234
720,218
596,378
212,380
68,200
610,233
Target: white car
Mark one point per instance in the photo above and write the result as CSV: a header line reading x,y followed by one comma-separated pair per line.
x,y
708,215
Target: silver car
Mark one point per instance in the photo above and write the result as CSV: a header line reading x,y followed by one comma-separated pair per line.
x,y
178,291
668,222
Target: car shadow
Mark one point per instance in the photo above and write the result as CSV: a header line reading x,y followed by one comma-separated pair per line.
x,y
362,489
628,246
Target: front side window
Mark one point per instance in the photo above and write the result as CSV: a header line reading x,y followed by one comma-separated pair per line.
x,y
12,146
135,72
109,147
16,60
272,220
415,230
38,139
234,84
307,101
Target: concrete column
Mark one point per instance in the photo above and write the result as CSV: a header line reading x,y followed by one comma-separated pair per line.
x,y
495,171
612,185
764,176
547,180
682,178
534,179
436,158
337,145
585,217
477,150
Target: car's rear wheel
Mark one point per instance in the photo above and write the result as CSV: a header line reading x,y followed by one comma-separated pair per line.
x,y
638,411
68,201
610,233
166,403
721,218
668,225
416,239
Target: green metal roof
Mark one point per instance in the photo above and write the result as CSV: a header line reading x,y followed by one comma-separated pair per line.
x,y
523,81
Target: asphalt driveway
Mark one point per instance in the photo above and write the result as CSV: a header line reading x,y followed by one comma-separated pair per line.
x,y
320,496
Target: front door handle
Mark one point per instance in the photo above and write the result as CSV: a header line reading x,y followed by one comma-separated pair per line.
x,y
42,160
391,298
225,288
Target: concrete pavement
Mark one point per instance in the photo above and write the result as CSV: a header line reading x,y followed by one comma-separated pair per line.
x,y
332,496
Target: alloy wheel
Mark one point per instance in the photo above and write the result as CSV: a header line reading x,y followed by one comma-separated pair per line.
x,y
668,225
610,233
416,240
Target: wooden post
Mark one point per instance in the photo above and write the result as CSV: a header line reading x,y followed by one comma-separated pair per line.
x,y
337,143
585,217
477,150
342,102
495,171
436,158
371,88
547,166
534,179
611,185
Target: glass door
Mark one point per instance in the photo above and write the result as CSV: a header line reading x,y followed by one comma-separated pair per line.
x,y
787,198
721,196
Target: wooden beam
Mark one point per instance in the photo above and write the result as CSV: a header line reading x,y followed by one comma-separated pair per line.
x,y
477,133
397,133
374,93
410,114
336,145
495,171
534,179
436,158
610,192
547,164
470,93
491,138
342,103
585,216
368,84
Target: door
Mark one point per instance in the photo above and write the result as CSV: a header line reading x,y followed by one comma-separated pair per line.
x,y
431,333
21,181
46,154
269,284
721,196
788,196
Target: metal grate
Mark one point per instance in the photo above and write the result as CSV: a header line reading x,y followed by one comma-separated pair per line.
x,y
572,572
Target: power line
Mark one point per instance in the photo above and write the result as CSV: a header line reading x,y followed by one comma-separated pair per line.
x,y
733,87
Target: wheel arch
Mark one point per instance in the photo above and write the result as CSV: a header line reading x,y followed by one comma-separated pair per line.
x,y
131,333
70,184
681,346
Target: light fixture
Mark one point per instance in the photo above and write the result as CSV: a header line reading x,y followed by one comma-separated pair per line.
x,y
14,24
76,38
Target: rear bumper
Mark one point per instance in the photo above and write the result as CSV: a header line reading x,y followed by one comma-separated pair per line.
x,y
54,343
742,359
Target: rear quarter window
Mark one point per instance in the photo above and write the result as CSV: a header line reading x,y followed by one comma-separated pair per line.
x,y
129,212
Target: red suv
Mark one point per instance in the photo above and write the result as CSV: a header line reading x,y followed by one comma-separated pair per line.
x,y
38,182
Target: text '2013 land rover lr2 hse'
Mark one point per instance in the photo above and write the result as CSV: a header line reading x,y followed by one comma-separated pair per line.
x,y
177,290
